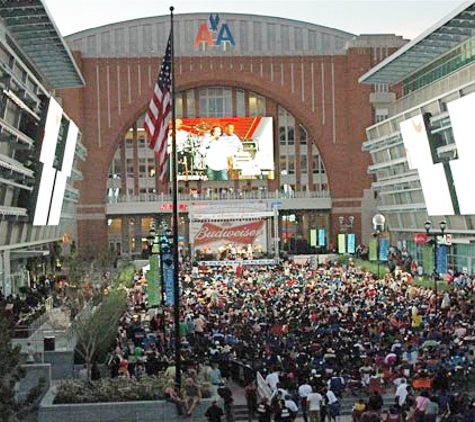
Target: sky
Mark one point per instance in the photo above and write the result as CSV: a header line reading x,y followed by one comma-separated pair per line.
x,y
400,17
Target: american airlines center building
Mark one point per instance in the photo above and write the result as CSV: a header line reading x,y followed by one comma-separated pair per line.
x,y
290,89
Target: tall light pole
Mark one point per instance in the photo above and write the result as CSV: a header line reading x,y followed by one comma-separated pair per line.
x,y
379,222
435,245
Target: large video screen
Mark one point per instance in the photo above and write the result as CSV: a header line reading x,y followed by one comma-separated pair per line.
x,y
57,141
217,149
446,183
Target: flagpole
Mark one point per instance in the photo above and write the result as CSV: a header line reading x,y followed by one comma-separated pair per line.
x,y
176,279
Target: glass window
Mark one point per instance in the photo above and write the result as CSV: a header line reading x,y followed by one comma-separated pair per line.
x,y
257,105
215,102
303,135
240,103
130,167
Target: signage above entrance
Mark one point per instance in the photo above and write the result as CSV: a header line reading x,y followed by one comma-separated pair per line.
x,y
213,34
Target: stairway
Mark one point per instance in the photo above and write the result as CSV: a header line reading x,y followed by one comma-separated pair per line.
x,y
241,414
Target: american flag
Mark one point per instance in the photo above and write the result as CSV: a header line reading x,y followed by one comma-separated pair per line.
x,y
159,112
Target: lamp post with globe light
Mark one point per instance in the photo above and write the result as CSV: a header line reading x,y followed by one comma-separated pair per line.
x,y
379,223
435,245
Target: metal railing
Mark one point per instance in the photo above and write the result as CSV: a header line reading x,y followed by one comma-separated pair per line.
x,y
227,194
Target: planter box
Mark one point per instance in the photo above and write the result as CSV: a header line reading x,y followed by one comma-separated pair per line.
x,y
136,411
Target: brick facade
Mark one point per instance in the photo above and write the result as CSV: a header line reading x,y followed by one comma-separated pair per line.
x,y
321,91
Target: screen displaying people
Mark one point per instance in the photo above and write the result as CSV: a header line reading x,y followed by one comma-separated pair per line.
x,y
218,155
217,149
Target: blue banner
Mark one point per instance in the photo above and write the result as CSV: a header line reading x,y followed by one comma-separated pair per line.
x,y
168,276
322,237
441,259
351,239
383,249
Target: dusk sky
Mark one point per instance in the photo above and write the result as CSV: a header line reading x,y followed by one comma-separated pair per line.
x,y
406,18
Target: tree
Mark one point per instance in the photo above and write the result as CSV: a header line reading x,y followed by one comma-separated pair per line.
x,y
96,327
10,369
11,373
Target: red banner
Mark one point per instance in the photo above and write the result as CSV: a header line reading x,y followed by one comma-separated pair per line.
x,y
243,234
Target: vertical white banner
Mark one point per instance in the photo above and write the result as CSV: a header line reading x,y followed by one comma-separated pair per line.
x,y
432,176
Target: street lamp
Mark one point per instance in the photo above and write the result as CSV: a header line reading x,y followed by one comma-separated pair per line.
x,y
379,222
346,225
435,245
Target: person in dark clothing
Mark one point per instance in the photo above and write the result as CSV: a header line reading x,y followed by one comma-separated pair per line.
x,y
214,413
264,411
375,402
227,395
251,399
283,414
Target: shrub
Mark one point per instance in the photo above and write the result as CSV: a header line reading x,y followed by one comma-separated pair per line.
x,y
110,390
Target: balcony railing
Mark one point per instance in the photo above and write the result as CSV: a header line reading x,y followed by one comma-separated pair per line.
x,y
218,196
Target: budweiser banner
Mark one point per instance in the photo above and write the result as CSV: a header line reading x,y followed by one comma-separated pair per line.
x,y
211,235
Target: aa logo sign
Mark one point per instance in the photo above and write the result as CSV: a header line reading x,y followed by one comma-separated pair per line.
x,y
213,34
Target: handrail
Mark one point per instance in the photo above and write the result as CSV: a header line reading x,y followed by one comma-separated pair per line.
x,y
219,196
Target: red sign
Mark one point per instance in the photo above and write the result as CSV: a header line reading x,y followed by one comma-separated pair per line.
x,y
420,238
242,234
169,207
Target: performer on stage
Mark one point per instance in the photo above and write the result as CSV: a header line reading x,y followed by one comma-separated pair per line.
x,y
218,155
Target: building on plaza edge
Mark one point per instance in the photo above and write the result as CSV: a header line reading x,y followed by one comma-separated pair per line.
x,y
423,153
40,145
291,90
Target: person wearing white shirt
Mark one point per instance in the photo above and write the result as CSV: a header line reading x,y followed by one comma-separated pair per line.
x,y
314,403
402,392
304,390
291,405
333,406
272,380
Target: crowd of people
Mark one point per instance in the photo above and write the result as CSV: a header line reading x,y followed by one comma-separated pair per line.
x,y
334,329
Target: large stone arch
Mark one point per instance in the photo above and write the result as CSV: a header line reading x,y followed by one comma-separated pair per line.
x,y
257,86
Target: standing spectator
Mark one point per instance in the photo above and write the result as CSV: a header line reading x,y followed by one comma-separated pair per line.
x,y
333,405
250,392
283,413
432,410
304,390
214,376
402,390
227,395
264,412
376,402
422,402
214,413
314,405
272,380
292,406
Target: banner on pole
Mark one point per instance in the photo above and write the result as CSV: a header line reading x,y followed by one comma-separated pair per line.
x,y
341,243
154,290
373,250
351,240
168,278
322,237
383,249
